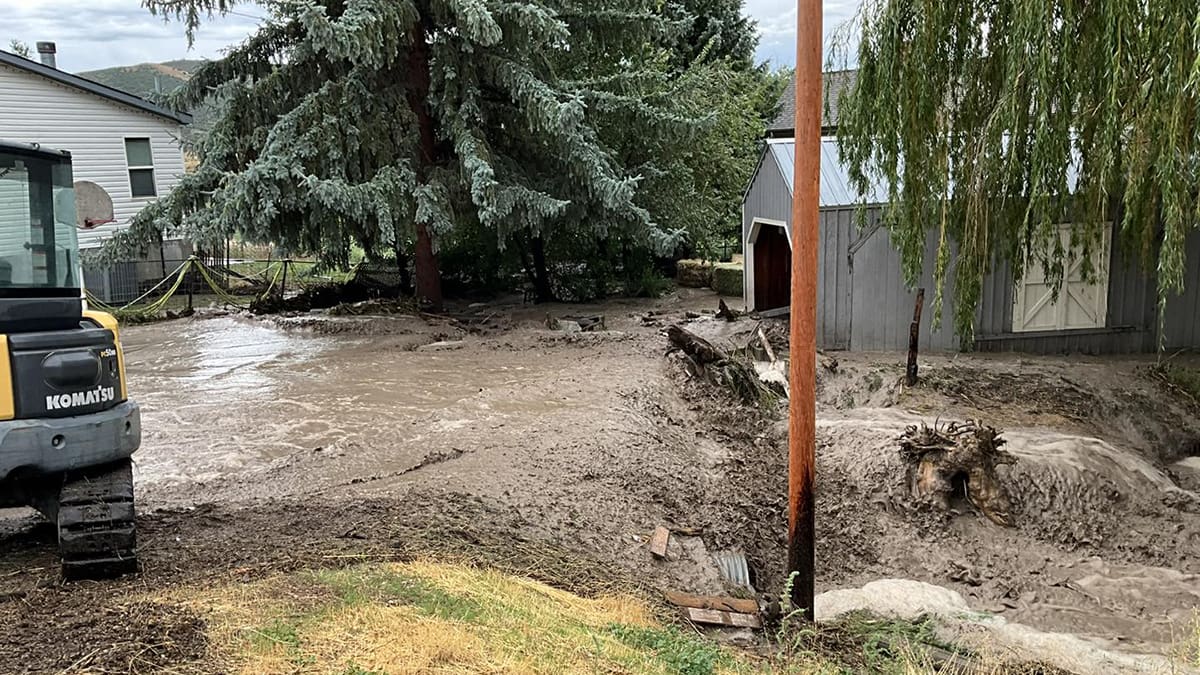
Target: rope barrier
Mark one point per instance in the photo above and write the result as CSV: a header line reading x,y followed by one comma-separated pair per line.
x,y
133,310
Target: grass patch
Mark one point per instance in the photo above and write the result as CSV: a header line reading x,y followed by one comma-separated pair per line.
x,y
370,585
676,651
860,642
423,616
454,618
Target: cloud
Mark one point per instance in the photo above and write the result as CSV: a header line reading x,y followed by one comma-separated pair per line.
x,y
95,34
105,33
777,25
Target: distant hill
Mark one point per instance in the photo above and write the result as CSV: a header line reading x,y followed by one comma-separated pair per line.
x,y
145,79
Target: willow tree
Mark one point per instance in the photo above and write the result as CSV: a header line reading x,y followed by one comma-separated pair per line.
x,y
992,122
380,121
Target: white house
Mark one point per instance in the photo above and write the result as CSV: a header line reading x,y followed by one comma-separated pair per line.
x,y
125,144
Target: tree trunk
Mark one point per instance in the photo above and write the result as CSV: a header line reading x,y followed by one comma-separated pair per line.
x,y
914,340
429,280
601,270
541,276
406,282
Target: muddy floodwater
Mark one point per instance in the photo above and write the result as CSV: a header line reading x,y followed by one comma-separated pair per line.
x,y
225,395
276,445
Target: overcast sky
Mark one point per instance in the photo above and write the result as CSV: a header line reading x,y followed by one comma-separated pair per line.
x,y
95,34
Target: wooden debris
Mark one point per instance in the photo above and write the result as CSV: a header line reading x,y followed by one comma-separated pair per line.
x,y
701,350
766,344
914,340
736,605
725,312
958,459
590,323
714,617
659,541
575,324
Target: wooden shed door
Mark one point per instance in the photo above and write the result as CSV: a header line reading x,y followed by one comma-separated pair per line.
x,y
772,269
1079,304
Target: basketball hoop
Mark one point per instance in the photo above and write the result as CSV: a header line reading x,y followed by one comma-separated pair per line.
x,y
93,206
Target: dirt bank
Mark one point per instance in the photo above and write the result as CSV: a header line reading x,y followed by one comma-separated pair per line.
x,y
275,446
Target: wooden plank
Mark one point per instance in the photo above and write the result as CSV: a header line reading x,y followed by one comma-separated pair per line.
x,y
713,617
739,605
659,541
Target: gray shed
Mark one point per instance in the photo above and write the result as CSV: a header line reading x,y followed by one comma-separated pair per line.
x,y
863,304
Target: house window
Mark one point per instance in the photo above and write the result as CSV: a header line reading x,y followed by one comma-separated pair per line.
x,y
140,161
1080,304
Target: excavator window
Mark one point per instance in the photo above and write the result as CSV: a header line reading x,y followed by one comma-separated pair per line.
x,y
39,250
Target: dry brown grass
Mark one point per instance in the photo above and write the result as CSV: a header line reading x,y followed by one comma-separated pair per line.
x,y
427,617
435,617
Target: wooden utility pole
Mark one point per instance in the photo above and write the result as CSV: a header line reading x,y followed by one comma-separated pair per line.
x,y
802,420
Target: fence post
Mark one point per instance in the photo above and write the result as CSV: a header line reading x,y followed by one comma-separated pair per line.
x,y
283,284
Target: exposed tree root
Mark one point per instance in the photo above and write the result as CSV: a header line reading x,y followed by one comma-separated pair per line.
x,y
958,459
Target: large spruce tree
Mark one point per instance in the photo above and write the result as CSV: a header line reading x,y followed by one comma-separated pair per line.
x,y
381,122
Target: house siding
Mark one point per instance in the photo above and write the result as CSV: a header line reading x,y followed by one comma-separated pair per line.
x,y
835,306
93,129
1181,330
883,305
768,198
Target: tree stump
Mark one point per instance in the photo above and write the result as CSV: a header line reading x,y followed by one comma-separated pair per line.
x,y
958,459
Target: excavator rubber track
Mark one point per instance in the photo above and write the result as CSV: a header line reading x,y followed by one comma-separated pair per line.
x,y
97,534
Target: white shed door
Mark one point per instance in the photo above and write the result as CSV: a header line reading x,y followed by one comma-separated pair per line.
x,y
1080,304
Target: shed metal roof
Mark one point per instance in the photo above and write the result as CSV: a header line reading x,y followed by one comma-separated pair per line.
x,y
836,188
91,87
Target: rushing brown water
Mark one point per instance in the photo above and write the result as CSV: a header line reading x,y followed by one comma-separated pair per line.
x,y
224,395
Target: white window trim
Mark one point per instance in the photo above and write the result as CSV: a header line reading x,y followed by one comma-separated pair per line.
x,y
1103,282
128,167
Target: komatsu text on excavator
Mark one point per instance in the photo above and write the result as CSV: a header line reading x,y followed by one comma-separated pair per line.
x,y
67,427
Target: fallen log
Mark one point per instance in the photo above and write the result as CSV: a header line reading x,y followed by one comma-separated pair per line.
x,y
702,351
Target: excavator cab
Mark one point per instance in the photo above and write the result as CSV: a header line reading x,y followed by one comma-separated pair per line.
x,y
67,427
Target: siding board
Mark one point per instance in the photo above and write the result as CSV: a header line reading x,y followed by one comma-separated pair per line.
x,y
35,109
1182,325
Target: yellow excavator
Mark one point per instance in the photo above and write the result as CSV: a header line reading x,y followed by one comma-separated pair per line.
x,y
67,426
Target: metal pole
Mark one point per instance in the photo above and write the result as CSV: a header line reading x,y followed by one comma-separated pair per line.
x,y
802,419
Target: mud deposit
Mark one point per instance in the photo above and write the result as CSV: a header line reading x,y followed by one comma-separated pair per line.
x,y
319,442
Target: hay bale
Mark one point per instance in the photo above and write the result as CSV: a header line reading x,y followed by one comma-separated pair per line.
x,y
727,279
694,273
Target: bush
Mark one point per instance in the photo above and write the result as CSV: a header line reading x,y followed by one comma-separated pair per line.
x,y
727,279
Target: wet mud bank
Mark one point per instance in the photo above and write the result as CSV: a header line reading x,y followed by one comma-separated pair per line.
x,y
313,441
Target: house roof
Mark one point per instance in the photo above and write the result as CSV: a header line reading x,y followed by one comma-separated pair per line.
x,y
91,87
836,187
834,83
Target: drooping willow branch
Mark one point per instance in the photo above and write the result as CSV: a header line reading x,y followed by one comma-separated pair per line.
x,y
992,122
